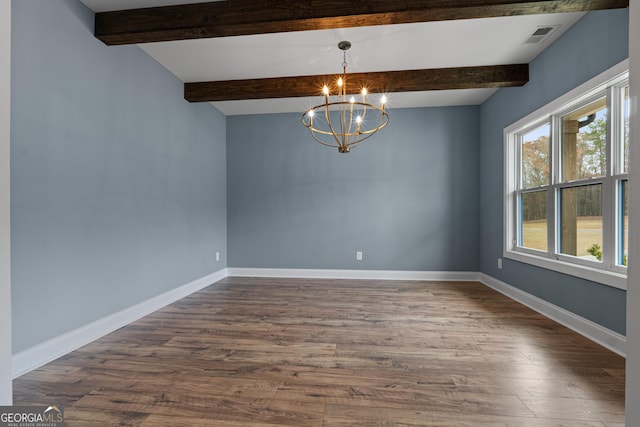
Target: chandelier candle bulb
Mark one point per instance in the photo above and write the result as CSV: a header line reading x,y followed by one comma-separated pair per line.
x,y
342,123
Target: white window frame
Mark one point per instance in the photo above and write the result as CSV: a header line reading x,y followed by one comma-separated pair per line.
x,y
605,272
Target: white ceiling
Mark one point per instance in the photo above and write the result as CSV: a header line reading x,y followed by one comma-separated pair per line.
x,y
473,42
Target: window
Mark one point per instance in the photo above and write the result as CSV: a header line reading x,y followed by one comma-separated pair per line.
x,y
566,187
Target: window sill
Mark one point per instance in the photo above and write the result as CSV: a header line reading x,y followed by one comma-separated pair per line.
x,y
605,277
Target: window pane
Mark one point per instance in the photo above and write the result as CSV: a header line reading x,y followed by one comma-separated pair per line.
x,y
623,222
535,157
581,221
584,138
533,220
626,129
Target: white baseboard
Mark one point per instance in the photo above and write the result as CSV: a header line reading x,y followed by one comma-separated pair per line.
x,y
355,274
599,334
50,350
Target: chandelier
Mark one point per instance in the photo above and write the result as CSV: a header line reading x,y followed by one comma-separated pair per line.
x,y
342,121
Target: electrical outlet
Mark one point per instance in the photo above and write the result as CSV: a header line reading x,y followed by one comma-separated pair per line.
x,y
358,255
217,256
500,263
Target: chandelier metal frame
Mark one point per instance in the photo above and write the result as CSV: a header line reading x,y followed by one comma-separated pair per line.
x,y
351,114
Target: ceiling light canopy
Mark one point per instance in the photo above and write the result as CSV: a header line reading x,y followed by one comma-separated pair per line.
x,y
343,121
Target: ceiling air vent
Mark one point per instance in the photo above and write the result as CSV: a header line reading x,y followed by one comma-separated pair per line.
x,y
540,34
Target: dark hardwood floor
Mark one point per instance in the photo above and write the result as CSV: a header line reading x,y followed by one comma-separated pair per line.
x,y
296,352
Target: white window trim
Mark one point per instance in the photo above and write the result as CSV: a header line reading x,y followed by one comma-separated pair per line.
x,y
616,278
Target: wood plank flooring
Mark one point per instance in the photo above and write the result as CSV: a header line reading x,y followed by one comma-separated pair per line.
x,y
296,352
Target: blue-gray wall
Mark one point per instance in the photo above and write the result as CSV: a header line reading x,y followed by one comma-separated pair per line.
x,y
407,197
595,43
118,185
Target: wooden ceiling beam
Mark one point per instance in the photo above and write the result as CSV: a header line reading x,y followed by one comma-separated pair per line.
x,y
376,82
245,17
